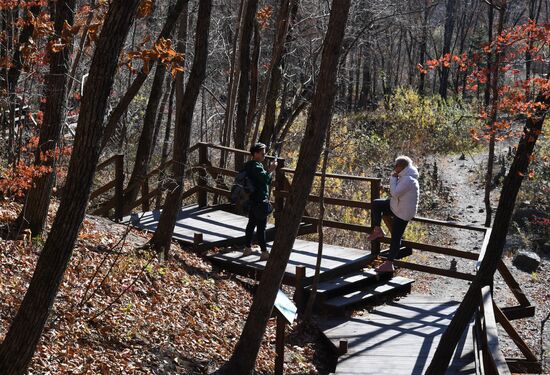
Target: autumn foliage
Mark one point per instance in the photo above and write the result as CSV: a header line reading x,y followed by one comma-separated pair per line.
x,y
516,96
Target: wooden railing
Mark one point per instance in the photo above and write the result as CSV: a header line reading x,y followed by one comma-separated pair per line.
x,y
491,360
488,314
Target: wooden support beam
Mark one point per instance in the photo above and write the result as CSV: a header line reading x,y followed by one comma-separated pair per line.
x,y
202,197
280,345
511,331
374,194
299,288
342,347
523,366
434,270
513,284
518,312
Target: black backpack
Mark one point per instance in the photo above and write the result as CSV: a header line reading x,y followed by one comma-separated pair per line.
x,y
242,190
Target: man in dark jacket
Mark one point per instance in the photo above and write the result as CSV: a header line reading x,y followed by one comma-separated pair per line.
x,y
259,200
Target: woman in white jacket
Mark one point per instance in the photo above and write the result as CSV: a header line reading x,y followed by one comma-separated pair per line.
x,y
402,205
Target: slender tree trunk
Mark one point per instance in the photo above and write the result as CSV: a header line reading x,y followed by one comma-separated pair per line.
x,y
447,38
20,342
13,74
495,248
287,12
315,284
165,146
495,74
232,86
184,119
35,210
254,77
244,357
244,81
141,164
120,109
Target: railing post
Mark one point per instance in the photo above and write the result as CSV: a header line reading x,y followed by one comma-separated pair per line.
x,y
374,194
279,187
299,288
119,187
202,195
144,193
280,345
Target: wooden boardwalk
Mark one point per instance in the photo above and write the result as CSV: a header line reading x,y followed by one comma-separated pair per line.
x,y
217,227
335,259
398,338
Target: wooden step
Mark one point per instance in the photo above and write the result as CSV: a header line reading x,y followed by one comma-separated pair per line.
x,y
396,284
348,283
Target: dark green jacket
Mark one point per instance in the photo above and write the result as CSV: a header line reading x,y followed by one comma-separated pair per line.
x,y
260,178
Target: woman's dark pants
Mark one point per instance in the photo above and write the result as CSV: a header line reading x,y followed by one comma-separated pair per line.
x,y
381,207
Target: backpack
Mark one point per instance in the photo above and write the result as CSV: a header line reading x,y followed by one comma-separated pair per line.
x,y
242,190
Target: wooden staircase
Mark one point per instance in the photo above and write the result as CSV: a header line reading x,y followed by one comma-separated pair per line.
x,y
358,289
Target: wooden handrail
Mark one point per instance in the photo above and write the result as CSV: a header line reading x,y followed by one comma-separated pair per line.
x,y
494,359
452,224
339,176
105,163
225,148
328,200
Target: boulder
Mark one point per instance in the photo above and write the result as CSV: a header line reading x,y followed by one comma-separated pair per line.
x,y
527,261
546,247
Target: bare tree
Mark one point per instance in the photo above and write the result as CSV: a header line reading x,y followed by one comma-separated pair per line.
x,y
246,351
184,118
20,342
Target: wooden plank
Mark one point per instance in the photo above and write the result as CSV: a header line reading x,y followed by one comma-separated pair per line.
x,y
394,284
514,286
408,343
491,331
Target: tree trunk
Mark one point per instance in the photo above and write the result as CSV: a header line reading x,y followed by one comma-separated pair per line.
x,y
243,359
308,313
244,81
287,11
35,210
20,342
184,118
13,74
495,74
447,38
173,14
254,77
165,146
495,248
141,164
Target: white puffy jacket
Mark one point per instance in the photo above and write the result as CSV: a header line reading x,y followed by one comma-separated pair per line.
x,y
404,191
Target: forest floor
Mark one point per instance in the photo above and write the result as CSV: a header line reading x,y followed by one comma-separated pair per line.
x,y
121,310
464,191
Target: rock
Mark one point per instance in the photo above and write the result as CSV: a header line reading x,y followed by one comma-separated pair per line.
x,y
469,206
527,261
546,247
481,210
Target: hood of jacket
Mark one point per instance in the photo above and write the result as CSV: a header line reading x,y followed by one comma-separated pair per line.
x,y
409,171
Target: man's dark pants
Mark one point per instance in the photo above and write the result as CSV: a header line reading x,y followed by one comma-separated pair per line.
x,y
256,219
382,207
